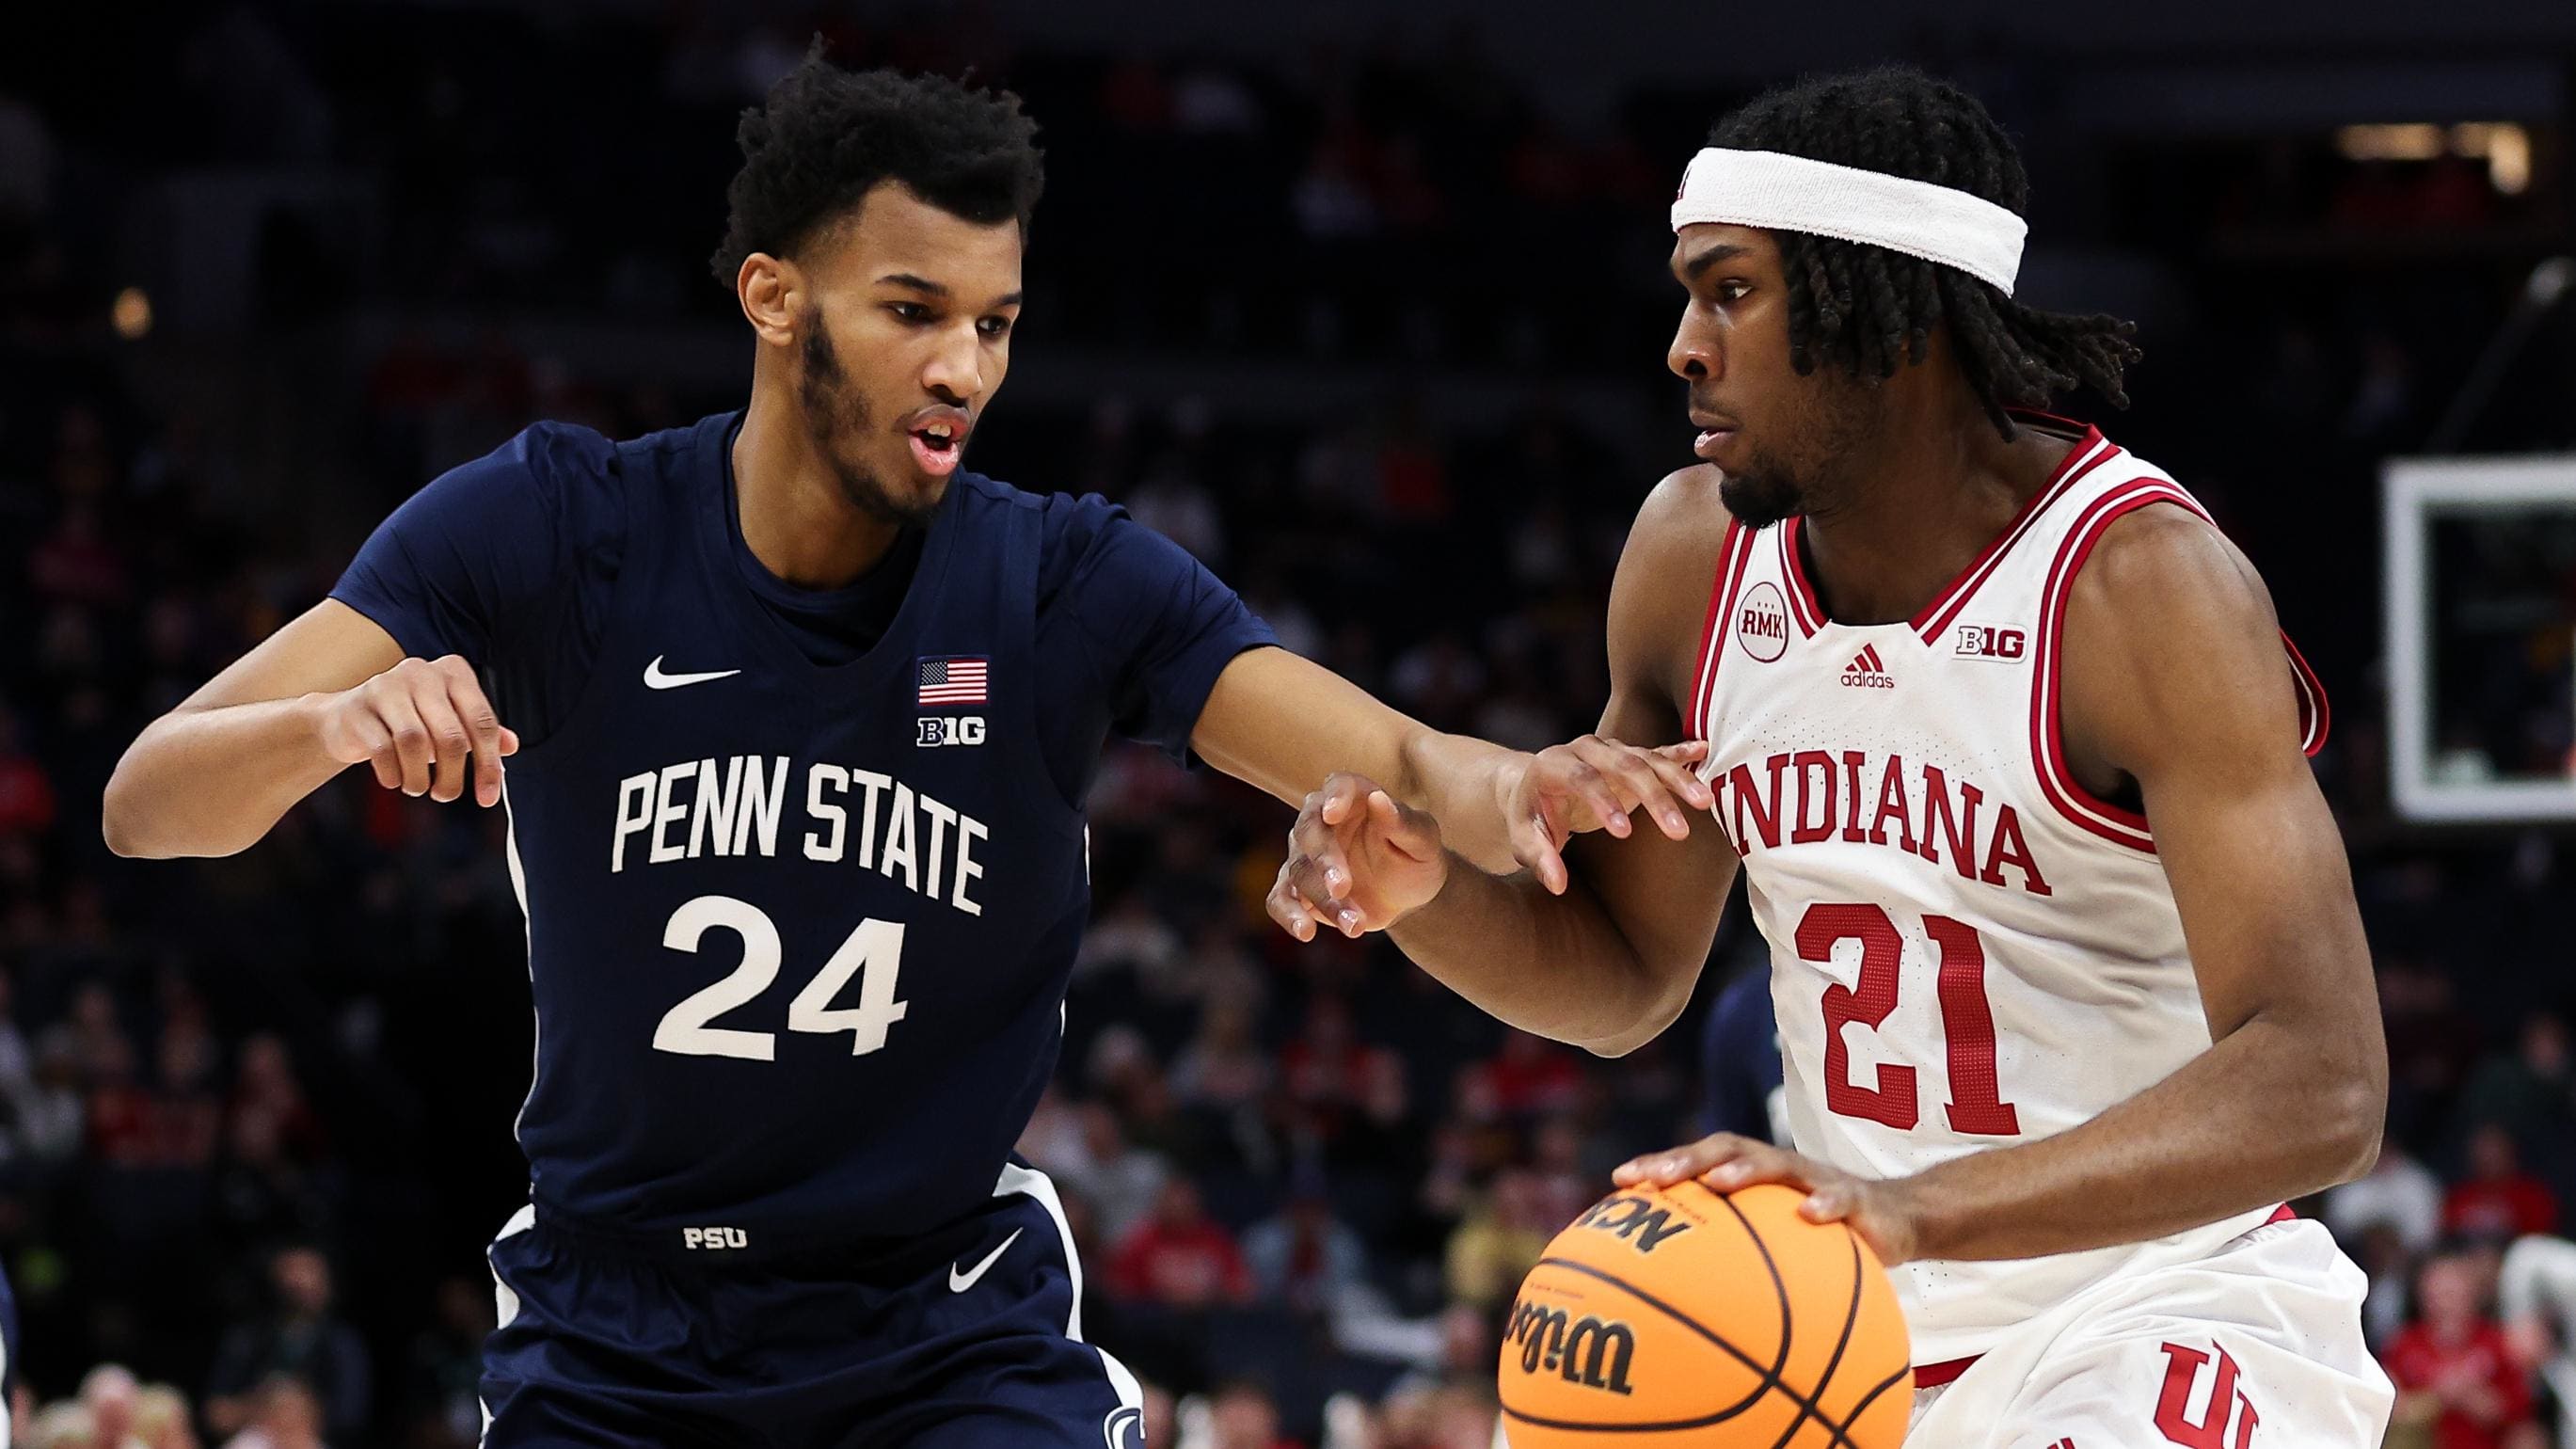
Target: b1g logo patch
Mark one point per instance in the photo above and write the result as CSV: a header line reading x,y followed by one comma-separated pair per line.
x,y
1985,641
949,729
1762,622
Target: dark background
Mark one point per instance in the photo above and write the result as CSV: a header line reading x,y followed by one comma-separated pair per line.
x,y
1367,312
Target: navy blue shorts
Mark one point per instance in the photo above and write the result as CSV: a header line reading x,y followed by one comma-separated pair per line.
x,y
965,1338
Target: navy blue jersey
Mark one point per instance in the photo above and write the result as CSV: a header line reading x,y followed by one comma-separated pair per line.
x,y
802,901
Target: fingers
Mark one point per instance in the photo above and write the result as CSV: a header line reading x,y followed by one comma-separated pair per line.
x,y
1534,846
1663,1169
1340,797
409,741
1289,908
448,739
482,727
1318,853
1412,832
1664,786
374,744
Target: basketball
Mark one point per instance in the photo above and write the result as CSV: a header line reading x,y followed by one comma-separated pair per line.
x,y
1683,1316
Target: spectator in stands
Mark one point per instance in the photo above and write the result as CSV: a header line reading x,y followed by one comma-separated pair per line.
x,y
1180,1257
2454,1370
111,1395
1303,1258
1122,1181
1242,1415
2536,1298
161,1418
447,1368
1531,1075
1501,1239
2499,1200
2399,1192
286,1414
1223,1070
300,1338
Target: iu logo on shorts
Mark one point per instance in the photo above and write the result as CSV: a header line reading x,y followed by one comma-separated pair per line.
x,y
2173,1417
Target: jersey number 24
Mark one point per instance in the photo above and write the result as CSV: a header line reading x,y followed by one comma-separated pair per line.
x,y
873,953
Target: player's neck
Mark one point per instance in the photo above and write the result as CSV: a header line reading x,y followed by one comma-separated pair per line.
x,y
788,502
1939,487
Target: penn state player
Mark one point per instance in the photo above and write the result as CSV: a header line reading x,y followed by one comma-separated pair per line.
x,y
2068,972
799,718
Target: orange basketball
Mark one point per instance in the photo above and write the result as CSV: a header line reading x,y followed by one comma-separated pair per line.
x,y
1683,1317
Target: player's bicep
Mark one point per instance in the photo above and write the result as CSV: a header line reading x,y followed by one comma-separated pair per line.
x,y
1665,896
328,648
2175,675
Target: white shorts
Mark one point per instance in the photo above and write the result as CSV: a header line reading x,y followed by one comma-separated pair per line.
x,y
2257,1346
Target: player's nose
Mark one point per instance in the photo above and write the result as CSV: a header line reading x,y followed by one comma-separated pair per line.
x,y
1694,353
955,371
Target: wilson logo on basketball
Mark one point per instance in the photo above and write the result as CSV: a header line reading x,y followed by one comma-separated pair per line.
x,y
1642,1222
1866,672
1762,622
1586,1351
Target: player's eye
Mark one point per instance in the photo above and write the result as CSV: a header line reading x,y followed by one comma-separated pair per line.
x,y
1732,292
909,311
995,328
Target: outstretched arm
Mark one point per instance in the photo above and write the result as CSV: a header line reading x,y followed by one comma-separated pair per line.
x,y
1283,723
1603,956
2179,686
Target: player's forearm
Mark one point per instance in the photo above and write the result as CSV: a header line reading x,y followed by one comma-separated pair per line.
x,y
1460,781
1554,966
212,781
2265,1115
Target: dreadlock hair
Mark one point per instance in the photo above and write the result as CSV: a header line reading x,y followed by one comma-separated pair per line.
x,y
1871,310
826,136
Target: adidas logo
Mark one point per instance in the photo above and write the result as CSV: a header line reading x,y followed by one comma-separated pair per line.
x,y
1865,672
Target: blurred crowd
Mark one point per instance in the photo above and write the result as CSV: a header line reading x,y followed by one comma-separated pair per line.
x,y
253,1111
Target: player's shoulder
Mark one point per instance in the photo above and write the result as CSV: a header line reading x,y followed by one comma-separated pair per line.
x,y
2168,568
1673,545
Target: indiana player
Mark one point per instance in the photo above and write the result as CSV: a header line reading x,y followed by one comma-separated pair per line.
x,y
799,718
2068,972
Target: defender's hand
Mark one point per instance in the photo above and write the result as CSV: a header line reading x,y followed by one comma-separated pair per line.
x,y
1882,1211
416,723
1357,861
1596,784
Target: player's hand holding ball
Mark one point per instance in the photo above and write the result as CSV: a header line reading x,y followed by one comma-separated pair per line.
x,y
417,724
1881,1211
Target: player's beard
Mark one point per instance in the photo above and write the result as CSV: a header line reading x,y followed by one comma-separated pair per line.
x,y
1773,486
837,417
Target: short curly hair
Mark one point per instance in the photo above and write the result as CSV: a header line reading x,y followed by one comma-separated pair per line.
x,y
1871,310
825,137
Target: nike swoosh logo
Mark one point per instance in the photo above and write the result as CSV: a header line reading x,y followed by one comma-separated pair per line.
x,y
960,1282
654,678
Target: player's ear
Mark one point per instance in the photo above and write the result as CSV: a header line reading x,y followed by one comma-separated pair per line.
x,y
771,290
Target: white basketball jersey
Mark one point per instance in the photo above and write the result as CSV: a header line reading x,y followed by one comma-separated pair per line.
x,y
1969,949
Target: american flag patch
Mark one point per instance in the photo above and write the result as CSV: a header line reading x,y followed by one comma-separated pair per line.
x,y
953,681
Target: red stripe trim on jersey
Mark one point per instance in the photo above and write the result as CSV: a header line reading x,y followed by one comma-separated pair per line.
x,y
2315,715
2089,453
2047,738
1934,1375
1803,603
2048,744
1721,603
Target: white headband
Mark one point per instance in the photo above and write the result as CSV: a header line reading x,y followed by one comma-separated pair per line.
x,y
1791,193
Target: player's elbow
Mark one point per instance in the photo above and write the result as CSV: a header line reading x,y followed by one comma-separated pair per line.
x,y
1654,1008
2356,1113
